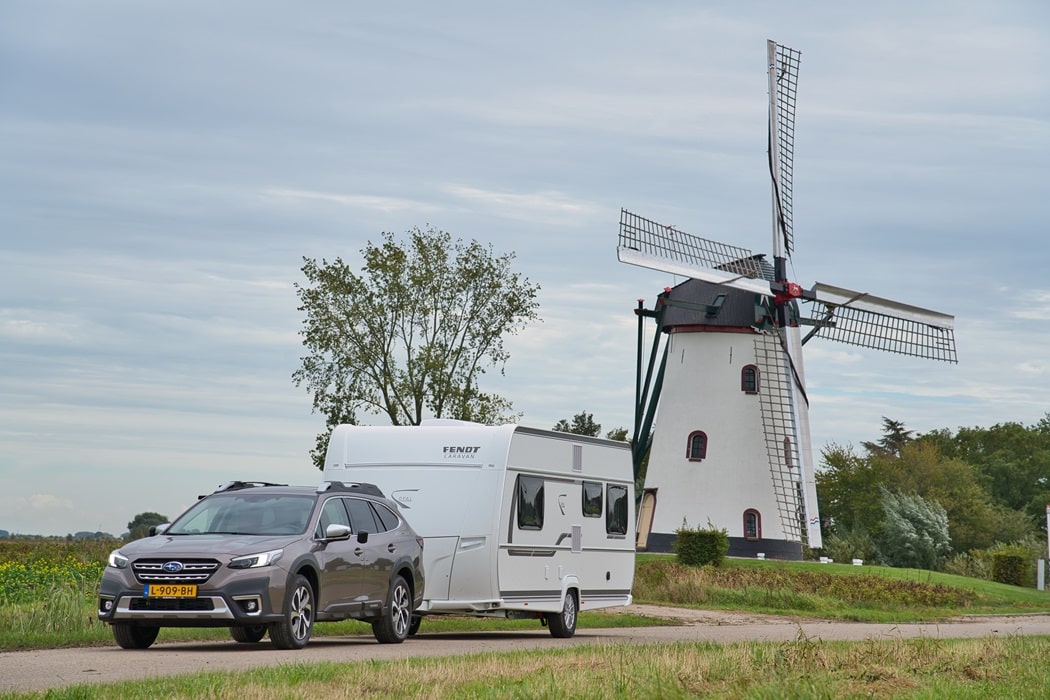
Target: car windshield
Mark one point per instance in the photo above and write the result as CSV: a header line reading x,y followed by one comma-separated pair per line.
x,y
246,513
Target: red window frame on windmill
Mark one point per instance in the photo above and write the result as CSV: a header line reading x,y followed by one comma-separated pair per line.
x,y
696,446
752,524
749,379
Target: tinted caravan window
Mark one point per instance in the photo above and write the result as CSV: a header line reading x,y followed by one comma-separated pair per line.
x,y
530,503
592,499
616,511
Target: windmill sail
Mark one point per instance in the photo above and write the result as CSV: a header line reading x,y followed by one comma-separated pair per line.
x,y
646,243
868,321
780,430
783,85
839,314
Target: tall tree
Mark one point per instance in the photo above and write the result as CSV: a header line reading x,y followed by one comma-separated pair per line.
x,y
410,335
894,438
1012,460
582,424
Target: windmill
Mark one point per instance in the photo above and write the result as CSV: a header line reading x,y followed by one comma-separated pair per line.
x,y
730,444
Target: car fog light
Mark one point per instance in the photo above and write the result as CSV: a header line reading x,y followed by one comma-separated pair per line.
x,y
251,606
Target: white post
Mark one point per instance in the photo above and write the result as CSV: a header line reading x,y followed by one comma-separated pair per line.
x,y
1048,528
1040,574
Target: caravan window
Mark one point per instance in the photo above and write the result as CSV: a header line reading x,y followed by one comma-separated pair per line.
x,y
616,512
530,503
592,499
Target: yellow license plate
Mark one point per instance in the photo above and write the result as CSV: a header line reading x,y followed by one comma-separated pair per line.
x,y
171,590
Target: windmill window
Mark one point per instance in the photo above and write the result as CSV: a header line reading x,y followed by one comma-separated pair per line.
x,y
788,461
752,524
697,446
749,379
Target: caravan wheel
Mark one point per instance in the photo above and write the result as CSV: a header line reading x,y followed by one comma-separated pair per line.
x,y
563,625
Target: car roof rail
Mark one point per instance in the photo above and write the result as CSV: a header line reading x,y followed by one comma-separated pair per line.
x,y
237,485
355,487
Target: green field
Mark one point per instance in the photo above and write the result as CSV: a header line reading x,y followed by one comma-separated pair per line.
x,y
48,601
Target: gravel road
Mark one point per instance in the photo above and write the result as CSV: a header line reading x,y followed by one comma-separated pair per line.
x,y
54,668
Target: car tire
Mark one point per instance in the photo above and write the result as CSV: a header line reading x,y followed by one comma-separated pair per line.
x,y
292,631
248,635
132,636
393,626
563,625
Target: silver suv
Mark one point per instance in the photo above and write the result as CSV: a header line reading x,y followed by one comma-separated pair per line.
x,y
261,558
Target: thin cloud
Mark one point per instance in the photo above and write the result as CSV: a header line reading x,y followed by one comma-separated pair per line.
x,y
376,203
47,501
552,205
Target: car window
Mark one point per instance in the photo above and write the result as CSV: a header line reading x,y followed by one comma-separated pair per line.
x,y
361,517
389,520
333,512
246,513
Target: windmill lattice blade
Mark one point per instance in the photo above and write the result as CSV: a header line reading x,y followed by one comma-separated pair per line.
x,y
785,64
780,432
646,243
873,322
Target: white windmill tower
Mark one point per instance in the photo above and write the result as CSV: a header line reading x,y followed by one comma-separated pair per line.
x,y
722,410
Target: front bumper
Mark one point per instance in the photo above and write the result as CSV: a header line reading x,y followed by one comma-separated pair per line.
x,y
241,602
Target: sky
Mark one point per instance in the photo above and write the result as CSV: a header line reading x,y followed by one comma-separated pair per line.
x,y
165,168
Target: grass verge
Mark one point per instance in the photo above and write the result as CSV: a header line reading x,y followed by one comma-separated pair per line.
x,y
829,591
1011,667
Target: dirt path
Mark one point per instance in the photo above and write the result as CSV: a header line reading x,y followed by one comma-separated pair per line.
x,y
53,668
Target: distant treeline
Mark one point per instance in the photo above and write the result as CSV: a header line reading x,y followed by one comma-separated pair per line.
x,y
81,535
942,499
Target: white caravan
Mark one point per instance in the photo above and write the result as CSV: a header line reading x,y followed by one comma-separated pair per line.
x,y
517,522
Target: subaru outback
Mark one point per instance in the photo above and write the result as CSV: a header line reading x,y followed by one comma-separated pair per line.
x,y
269,558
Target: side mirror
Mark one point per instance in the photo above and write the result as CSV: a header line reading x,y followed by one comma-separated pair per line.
x,y
158,529
337,531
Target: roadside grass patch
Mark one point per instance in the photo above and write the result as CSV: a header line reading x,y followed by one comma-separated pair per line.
x,y
834,591
804,668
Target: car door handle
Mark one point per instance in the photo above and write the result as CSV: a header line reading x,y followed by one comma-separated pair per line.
x,y
391,547
358,551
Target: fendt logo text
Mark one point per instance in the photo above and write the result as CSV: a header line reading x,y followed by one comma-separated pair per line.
x,y
460,451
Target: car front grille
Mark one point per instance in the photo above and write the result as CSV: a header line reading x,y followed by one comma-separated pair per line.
x,y
171,604
191,571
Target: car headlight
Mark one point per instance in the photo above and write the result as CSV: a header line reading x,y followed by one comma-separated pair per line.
x,y
254,561
117,560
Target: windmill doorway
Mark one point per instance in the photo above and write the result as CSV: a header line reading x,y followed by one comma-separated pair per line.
x,y
645,518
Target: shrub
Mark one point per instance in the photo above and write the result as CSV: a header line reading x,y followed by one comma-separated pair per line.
x,y
914,531
1010,565
698,547
846,544
973,564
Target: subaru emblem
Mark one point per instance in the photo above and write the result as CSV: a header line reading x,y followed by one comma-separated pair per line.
x,y
172,567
